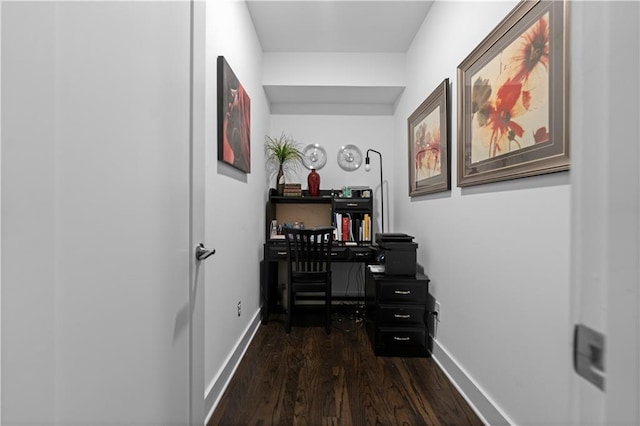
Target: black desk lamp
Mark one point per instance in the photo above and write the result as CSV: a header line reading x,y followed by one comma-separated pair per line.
x,y
367,167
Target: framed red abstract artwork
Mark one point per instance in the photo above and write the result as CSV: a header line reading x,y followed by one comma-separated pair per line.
x,y
234,119
429,144
512,98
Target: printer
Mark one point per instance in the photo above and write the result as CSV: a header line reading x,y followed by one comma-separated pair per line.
x,y
397,252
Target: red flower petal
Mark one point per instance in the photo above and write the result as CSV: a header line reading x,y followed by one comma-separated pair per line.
x,y
508,95
516,128
541,135
526,98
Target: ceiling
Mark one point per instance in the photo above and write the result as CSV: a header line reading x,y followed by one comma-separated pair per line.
x,y
357,26
337,25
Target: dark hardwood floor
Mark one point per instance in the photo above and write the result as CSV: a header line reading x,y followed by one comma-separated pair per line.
x,y
311,378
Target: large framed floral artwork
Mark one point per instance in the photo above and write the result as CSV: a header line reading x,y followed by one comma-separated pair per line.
x,y
429,144
512,98
234,119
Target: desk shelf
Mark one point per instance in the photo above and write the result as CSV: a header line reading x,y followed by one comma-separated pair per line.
x,y
316,211
304,199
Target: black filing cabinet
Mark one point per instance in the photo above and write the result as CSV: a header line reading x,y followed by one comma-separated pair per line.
x,y
396,314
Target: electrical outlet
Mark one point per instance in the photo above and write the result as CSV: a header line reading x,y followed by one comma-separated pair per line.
x,y
239,308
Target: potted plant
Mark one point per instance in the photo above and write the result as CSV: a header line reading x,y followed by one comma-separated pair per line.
x,y
284,152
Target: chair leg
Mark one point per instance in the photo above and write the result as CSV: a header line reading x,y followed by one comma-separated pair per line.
x,y
287,322
328,312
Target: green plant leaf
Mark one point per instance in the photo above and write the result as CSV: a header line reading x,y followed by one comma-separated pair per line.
x,y
283,150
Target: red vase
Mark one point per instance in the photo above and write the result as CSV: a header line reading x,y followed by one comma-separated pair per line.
x,y
313,183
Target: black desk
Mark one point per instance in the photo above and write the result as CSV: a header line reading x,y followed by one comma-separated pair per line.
x,y
276,251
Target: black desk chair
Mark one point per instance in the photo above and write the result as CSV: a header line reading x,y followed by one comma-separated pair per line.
x,y
309,267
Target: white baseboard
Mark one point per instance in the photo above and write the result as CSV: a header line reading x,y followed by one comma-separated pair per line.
x,y
219,384
484,407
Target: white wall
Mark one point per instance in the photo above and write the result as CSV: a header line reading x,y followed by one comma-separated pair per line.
x,y
0,215
497,254
333,83
235,201
28,368
333,69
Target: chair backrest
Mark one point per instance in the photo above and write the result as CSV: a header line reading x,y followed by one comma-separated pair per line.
x,y
309,250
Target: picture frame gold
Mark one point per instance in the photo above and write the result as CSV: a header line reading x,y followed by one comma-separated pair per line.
x,y
429,144
513,98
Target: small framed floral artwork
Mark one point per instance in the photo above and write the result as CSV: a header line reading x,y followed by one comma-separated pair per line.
x,y
429,144
512,98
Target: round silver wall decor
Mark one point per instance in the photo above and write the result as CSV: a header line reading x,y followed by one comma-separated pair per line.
x,y
349,157
314,156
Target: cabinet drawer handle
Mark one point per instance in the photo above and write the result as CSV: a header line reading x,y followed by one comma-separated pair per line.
x,y
352,204
403,292
282,253
403,316
401,339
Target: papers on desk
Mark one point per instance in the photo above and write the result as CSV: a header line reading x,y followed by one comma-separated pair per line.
x,y
377,269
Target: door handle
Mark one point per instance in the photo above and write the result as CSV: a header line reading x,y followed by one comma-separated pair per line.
x,y
202,253
588,354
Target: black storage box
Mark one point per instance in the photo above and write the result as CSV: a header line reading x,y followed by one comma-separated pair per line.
x,y
397,253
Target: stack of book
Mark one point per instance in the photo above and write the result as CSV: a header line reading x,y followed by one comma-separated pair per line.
x,y
352,227
366,228
292,190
